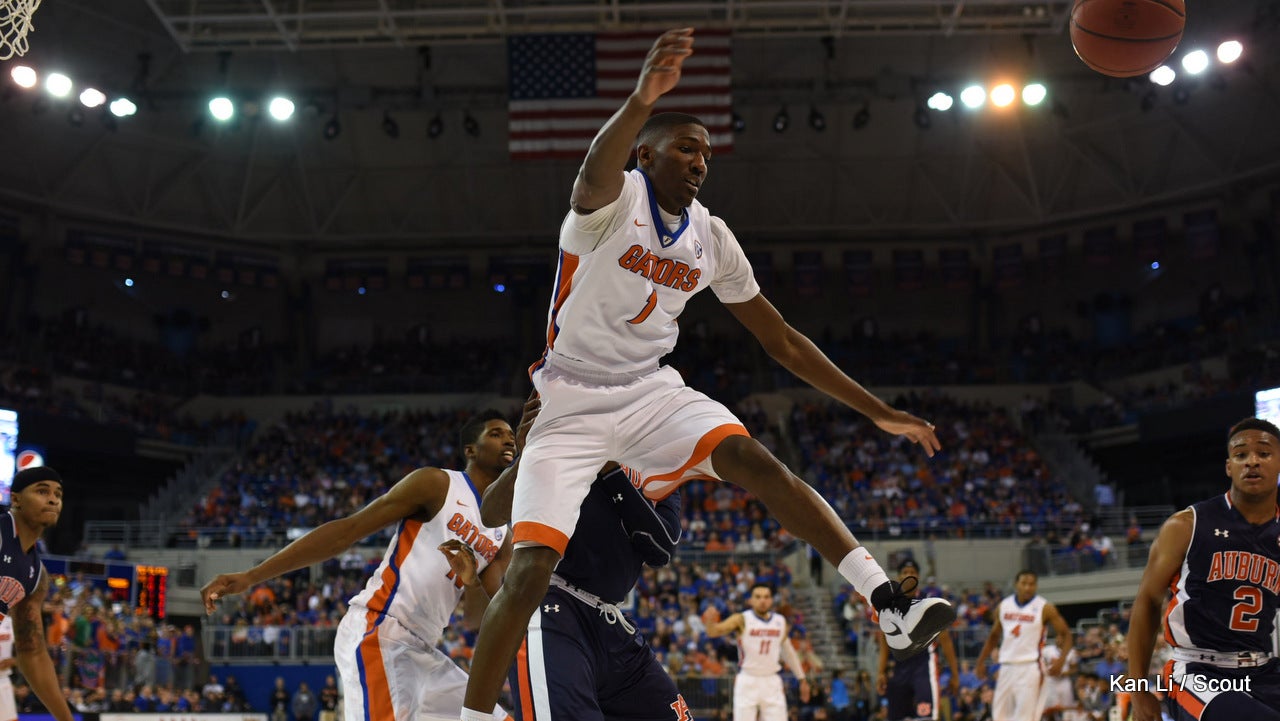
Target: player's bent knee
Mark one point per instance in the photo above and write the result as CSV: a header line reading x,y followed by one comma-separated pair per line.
x,y
744,461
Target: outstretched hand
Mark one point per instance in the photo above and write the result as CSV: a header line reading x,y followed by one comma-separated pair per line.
x,y
223,585
661,69
917,430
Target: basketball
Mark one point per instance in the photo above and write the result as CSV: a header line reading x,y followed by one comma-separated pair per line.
x,y
1124,38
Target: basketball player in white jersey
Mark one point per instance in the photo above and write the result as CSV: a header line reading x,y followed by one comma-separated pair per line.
x,y
634,248
762,639
1058,693
1019,628
385,646
8,707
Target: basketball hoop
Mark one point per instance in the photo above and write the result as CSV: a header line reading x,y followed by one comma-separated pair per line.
x,y
15,23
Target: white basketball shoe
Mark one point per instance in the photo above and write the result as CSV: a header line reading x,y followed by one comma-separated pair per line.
x,y
910,624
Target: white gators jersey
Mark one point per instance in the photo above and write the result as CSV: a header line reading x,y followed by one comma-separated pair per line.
x,y
414,583
760,643
6,642
624,278
1023,629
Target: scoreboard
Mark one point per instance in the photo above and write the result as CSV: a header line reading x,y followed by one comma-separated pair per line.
x,y
140,588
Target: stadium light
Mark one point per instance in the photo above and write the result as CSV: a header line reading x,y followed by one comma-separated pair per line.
x,y
1163,75
25,77
221,108
92,98
1195,62
1228,52
58,85
281,108
122,107
940,101
1034,94
1002,95
973,96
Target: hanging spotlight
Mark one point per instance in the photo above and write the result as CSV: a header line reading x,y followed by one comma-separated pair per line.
x,y
221,108
389,125
862,117
1002,95
973,96
58,85
739,124
1228,53
1034,94
921,117
435,126
332,129
781,121
92,98
281,108
470,125
1163,75
940,101
122,107
25,77
1195,62
816,120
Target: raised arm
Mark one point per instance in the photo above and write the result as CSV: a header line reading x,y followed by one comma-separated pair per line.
x,y
1167,554
32,652
795,352
600,178
422,492
495,507
716,627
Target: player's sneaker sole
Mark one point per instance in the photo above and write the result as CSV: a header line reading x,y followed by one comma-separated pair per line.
x,y
933,620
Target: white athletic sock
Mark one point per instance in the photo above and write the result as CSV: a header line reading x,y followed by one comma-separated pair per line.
x,y
861,569
469,715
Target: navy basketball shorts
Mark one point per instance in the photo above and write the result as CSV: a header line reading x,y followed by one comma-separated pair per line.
x,y
1202,692
574,665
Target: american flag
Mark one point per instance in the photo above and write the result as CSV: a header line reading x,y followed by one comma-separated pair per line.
x,y
563,87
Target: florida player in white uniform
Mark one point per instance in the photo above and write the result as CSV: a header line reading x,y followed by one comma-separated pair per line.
x,y
762,640
1058,692
385,646
8,708
634,248
1220,558
1019,628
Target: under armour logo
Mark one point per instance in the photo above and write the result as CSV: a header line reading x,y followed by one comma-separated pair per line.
x,y
1221,533
551,608
8,559
617,498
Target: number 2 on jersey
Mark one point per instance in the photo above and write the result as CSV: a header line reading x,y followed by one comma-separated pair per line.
x,y
1250,599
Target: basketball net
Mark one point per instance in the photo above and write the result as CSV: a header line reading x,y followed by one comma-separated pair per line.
x,y
15,23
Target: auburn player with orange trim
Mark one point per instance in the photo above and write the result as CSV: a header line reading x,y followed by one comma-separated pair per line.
x,y
442,552
635,246
1220,559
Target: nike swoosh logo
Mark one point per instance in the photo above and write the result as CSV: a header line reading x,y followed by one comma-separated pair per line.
x,y
868,558
897,631
460,503
639,224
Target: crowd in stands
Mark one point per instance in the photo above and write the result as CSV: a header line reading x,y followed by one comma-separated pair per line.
x,y
986,479
32,389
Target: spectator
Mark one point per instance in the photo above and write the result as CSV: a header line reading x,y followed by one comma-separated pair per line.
x,y
329,699
305,703
280,701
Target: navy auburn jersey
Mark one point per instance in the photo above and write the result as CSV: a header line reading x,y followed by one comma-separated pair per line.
x,y
1226,594
614,516
19,570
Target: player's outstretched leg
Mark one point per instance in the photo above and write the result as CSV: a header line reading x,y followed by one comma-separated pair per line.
x,y
909,624
504,626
